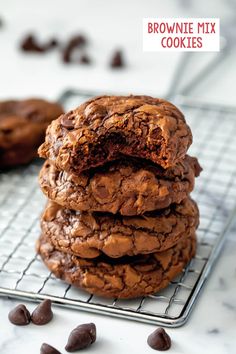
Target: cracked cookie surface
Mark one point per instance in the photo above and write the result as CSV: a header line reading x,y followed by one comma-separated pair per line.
x,y
22,129
125,277
108,127
90,234
129,187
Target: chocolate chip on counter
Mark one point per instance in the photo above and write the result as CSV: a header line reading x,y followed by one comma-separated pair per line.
x,y
117,60
78,340
84,59
81,337
52,43
77,41
43,313
48,349
91,328
29,44
74,43
66,55
159,340
19,316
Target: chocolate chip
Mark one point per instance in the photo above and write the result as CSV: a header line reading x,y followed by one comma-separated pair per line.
x,y
48,349
95,111
84,59
66,122
52,44
91,328
66,55
117,60
75,42
29,44
43,313
81,337
19,316
159,340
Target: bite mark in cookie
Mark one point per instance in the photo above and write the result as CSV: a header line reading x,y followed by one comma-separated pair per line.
x,y
108,127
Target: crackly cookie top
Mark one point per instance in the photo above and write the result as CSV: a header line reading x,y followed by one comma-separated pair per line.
x,y
124,277
23,122
107,127
129,186
90,234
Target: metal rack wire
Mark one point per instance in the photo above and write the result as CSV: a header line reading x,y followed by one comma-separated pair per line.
x,y
22,275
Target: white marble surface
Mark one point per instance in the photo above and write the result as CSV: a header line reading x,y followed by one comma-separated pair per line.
x,y
211,328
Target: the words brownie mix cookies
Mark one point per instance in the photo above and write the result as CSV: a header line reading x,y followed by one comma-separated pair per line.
x,y
119,221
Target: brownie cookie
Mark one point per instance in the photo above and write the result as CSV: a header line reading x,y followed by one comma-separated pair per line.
x,y
22,129
90,234
128,187
124,277
107,127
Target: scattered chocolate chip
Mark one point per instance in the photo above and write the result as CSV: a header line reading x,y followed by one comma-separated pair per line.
x,y
75,42
30,44
66,55
91,328
66,122
81,337
19,316
159,340
43,313
84,59
48,349
117,60
52,44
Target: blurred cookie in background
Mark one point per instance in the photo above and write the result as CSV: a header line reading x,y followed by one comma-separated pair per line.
x,y
22,128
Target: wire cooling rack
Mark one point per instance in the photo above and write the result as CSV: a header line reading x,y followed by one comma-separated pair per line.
x,y
22,275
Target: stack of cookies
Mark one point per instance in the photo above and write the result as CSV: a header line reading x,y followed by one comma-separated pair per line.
x,y
119,221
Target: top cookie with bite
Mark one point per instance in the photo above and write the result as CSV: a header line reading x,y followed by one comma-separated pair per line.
x,y
108,127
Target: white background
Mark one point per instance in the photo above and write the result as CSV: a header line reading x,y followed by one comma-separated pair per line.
x,y
110,25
